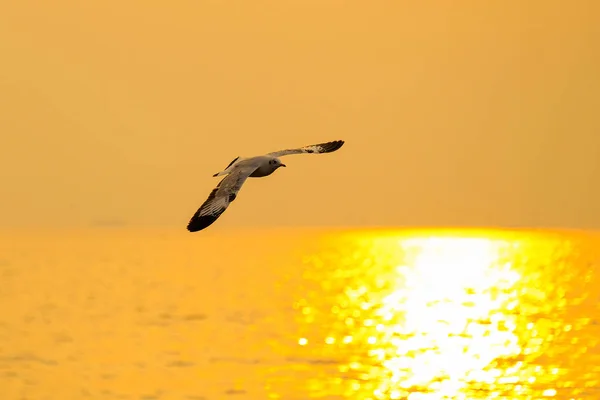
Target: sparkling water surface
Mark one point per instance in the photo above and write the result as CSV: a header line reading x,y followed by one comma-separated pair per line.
x,y
306,314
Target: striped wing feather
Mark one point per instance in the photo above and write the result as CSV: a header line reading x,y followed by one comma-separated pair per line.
x,y
312,149
219,199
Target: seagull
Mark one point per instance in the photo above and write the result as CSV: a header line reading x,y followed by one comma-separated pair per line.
x,y
238,171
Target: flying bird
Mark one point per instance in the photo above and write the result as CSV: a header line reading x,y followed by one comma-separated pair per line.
x,y
238,171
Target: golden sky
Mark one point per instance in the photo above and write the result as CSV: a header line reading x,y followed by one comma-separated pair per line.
x,y
454,113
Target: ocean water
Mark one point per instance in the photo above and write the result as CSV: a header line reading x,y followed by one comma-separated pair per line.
x,y
306,314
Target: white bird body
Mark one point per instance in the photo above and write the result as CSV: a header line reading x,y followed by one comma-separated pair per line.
x,y
266,166
238,171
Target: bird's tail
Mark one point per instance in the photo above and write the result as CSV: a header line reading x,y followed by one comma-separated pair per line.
x,y
228,168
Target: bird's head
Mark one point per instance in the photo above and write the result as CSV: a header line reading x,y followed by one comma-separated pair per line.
x,y
276,163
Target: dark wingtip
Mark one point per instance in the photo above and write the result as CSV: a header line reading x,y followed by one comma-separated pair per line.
x,y
332,146
198,223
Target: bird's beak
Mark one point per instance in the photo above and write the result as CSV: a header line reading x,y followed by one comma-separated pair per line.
x,y
283,165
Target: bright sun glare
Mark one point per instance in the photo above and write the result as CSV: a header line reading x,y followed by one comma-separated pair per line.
x,y
436,323
440,323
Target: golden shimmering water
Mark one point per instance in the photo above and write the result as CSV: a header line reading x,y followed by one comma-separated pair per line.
x,y
300,315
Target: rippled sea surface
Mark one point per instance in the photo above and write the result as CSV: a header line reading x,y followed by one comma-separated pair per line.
x,y
364,314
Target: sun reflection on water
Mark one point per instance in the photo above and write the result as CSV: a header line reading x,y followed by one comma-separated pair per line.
x,y
435,317
441,327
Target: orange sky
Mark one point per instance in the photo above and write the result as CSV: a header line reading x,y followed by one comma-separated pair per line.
x,y
454,113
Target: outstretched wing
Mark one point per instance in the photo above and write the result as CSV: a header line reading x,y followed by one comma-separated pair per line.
x,y
314,149
220,198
